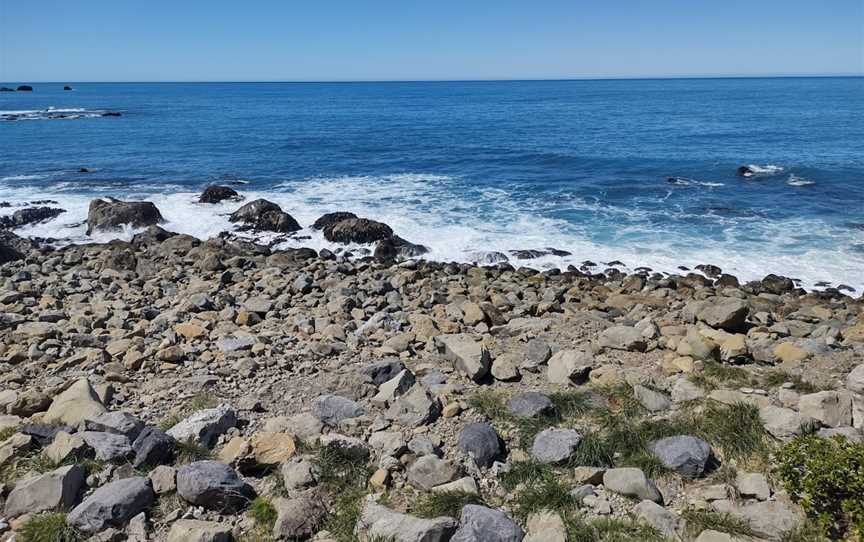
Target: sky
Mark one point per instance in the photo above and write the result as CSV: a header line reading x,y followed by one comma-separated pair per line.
x,y
279,40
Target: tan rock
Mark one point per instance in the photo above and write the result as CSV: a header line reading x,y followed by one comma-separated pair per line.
x,y
790,354
190,330
451,410
10,447
64,446
380,479
272,448
235,451
75,405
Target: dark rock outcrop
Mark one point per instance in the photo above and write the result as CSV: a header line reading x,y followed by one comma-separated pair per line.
x,y
265,215
332,218
30,215
67,87
25,88
13,247
745,171
216,194
112,214
396,247
357,230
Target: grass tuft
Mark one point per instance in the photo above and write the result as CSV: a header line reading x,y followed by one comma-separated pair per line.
x,y
547,493
189,451
344,476
264,513
699,520
450,503
49,527
610,530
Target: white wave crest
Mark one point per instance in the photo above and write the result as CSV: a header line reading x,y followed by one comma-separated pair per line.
x,y
768,169
795,180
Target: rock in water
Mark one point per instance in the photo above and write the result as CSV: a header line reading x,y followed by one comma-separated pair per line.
x,y
30,215
330,219
213,485
357,230
112,505
482,524
684,454
217,194
265,215
110,214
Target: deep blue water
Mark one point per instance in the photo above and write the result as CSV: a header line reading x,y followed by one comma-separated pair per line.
x,y
471,166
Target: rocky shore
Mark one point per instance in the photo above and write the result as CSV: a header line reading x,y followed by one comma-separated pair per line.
x,y
172,388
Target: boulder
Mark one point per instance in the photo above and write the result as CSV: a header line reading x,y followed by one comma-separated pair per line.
x,y
569,367
30,215
481,524
481,442
727,313
112,505
153,447
218,194
783,423
75,405
10,447
357,230
377,522
631,482
264,215
831,408
330,219
555,445
771,519
299,518
111,214
65,447
685,454
396,247
270,449
54,490
530,404
855,380
332,409
196,530
753,485
214,486
205,426
470,357
107,446
117,422
623,338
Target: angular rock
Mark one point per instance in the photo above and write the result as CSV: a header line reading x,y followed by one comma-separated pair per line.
x,y
569,367
205,426
664,521
107,446
331,218
783,423
481,442
76,404
471,357
112,505
685,454
771,519
530,404
555,445
545,526
196,530
214,486
831,408
120,423
753,485
153,447
727,313
652,400
332,409
415,408
54,490
300,517
623,338
377,522
357,230
481,524
429,471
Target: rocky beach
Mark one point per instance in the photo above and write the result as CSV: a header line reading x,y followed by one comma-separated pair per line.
x,y
183,389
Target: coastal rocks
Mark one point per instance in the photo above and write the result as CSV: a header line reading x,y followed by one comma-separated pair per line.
x,y
481,442
396,247
726,313
12,247
218,194
684,454
109,214
263,215
377,522
112,505
54,490
357,230
553,446
28,216
481,524
631,482
471,357
331,219
214,486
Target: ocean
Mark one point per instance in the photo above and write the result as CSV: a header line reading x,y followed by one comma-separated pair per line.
x,y
638,171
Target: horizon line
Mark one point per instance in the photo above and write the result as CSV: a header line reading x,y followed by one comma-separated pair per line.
x,y
479,80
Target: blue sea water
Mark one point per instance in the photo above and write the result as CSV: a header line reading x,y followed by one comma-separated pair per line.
x,y
466,167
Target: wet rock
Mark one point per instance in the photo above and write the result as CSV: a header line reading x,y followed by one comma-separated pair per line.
x,y
481,524
685,454
357,230
109,214
395,247
330,219
112,505
481,442
214,486
263,215
31,215
218,194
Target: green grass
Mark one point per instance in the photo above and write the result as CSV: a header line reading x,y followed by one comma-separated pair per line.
x,y
523,472
450,503
699,520
547,493
190,451
775,378
344,477
49,527
264,513
489,403
610,530
7,432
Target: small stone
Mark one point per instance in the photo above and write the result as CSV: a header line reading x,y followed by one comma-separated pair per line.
x,y
623,338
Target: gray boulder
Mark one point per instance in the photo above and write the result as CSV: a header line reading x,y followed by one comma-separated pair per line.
x,y
112,505
481,524
429,471
727,313
332,409
214,486
205,426
555,445
107,446
377,522
481,442
299,518
685,454
117,422
108,214
631,482
530,404
415,408
623,338
55,490
153,447
665,521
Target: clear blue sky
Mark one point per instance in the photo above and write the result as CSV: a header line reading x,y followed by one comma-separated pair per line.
x,y
196,40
